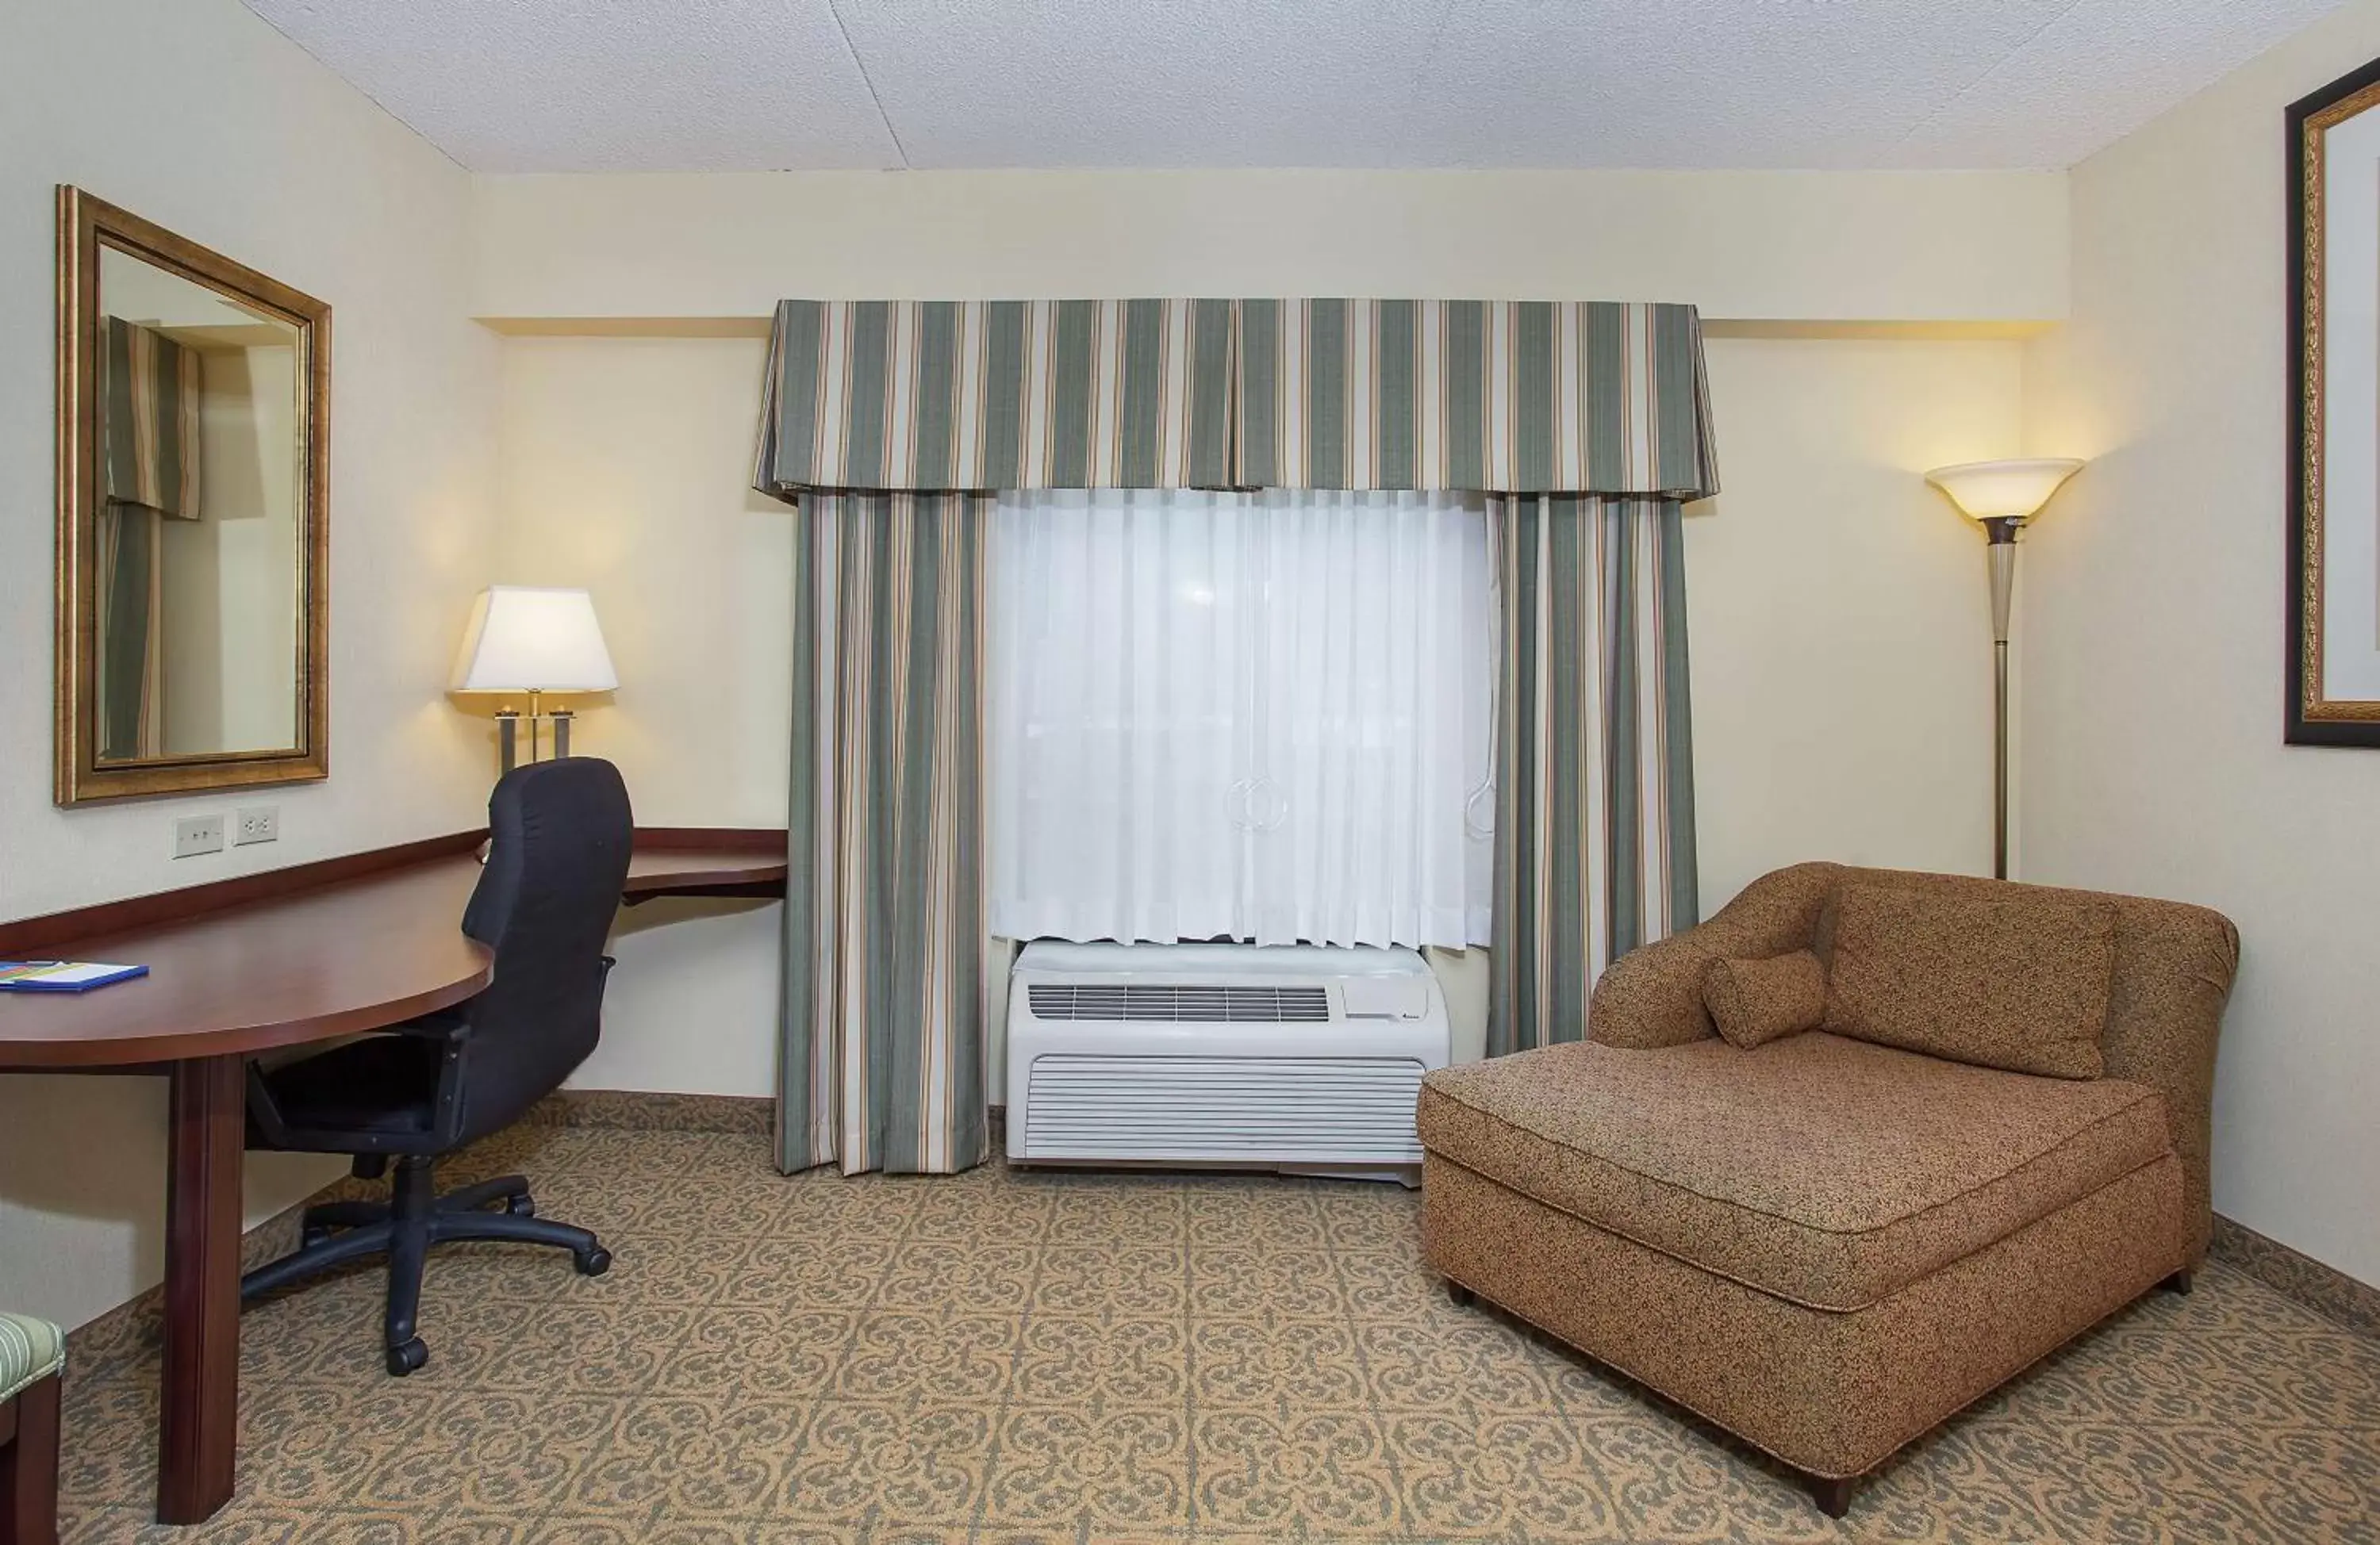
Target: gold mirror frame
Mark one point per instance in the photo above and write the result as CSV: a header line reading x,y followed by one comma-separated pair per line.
x,y
85,224
2313,716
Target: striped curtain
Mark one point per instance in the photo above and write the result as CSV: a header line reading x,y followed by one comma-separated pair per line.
x,y
131,656
884,984
1595,794
883,418
149,388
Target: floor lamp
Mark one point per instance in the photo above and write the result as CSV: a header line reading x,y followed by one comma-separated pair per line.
x,y
2003,495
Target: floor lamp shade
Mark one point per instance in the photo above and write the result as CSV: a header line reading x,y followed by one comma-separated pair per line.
x,y
2003,490
2003,495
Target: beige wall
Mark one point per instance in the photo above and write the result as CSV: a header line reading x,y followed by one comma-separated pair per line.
x,y
625,469
284,167
2154,637
1837,607
1803,246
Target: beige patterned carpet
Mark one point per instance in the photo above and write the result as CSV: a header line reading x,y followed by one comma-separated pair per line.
x,y
1015,1357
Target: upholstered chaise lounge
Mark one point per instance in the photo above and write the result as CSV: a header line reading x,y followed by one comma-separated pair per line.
x,y
1823,1239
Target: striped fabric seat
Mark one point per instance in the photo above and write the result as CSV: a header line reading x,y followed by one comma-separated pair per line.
x,y
30,1350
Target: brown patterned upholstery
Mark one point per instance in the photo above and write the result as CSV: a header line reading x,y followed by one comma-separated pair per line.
x,y
1755,1002
1825,1245
1827,1171
2174,964
1827,1393
1998,980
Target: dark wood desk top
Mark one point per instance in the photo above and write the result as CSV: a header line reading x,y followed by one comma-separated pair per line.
x,y
333,949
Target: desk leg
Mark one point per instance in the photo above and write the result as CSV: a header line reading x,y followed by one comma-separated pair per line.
x,y
199,1421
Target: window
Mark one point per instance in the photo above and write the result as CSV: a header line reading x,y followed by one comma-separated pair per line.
x,y
1264,715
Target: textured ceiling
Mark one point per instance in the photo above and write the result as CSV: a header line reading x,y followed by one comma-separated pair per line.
x,y
749,85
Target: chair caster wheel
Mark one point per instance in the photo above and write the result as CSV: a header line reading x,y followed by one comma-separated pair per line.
x,y
592,1263
407,1356
520,1207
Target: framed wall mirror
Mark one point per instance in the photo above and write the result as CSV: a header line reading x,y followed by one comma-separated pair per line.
x,y
193,402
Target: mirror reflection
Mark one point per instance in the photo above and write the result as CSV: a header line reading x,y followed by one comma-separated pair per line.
x,y
200,520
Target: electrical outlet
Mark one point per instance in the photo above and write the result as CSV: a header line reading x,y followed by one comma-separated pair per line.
x,y
198,834
258,824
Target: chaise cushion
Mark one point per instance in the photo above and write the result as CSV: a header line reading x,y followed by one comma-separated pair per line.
x,y
2016,979
30,1350
1828,1171
1755,1002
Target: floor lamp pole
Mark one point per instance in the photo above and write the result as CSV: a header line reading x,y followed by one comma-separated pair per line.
x,y
2001,530
2002,496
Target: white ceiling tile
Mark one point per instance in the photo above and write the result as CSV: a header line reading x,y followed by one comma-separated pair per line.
x,y
1707,84
739,85
605,85
1049,83
2099,71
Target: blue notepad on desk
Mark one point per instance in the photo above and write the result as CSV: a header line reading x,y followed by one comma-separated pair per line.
x,y
62,976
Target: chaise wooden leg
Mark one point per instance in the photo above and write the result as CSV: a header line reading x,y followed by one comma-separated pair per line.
x,y
1832,1493
29,1469
1464,1297
2178,1283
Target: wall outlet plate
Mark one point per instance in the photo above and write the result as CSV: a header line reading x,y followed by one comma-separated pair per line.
x,y
198,834
260,823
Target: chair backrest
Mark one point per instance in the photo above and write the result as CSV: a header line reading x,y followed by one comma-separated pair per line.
x,y
558,855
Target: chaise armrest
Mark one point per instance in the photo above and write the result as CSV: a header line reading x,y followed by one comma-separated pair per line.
x,y
1653,996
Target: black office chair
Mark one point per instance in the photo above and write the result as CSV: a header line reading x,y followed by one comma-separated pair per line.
x,y
557,859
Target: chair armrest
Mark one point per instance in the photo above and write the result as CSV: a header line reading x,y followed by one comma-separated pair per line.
x,y
447,1029
1653,996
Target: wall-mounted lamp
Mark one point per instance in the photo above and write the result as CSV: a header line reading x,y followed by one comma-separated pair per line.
x,y
526,639
2003,495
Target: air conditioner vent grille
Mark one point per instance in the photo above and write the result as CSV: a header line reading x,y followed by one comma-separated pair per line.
x,y
1180,1005
1287,1110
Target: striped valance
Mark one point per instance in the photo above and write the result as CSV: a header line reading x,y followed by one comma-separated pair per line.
x,y
149,388
1506,396
1495,396
945,394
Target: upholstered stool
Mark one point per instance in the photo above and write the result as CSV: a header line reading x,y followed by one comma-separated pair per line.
x,y
32,1356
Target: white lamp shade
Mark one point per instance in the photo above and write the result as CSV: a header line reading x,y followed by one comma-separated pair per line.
x,y
2002,490
523,638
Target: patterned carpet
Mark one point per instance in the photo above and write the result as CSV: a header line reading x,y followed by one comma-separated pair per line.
x,y
1015,1357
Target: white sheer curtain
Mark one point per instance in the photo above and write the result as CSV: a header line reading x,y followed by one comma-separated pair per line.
x,y
1264,715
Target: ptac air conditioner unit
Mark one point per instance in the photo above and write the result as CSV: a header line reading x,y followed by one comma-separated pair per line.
x,y
1299,1058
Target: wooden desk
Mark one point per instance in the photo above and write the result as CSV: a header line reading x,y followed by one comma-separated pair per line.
x,y
281,959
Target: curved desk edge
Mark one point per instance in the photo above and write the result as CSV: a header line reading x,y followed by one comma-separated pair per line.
x,y
402,905
705,861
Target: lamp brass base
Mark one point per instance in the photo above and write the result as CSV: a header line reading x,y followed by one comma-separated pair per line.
x,y
508,723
